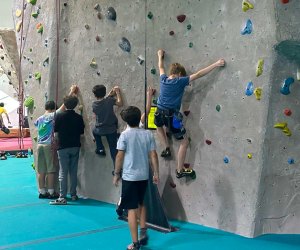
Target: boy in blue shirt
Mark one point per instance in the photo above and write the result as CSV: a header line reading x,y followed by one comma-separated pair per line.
x,y
168,106
135,147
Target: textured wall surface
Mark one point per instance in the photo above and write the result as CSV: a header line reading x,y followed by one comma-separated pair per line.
x,y
256,191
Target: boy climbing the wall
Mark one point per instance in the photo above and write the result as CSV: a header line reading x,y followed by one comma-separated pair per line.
x,y
168,106
106,120
135,147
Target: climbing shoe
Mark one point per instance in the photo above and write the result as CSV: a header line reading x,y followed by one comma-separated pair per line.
x,y
44,196
186,172
143,237
134,246
166,153
100,152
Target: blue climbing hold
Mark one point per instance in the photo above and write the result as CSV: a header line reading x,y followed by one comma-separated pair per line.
x,y
226,159
124,44
285,88
249,89
291,161
248,28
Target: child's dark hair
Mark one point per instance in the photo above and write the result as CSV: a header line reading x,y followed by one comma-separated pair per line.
x,y
99,91
50,105
70,102
131,115
177,69
1,104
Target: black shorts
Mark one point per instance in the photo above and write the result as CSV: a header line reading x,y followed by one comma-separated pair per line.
x,y
133,193
165,118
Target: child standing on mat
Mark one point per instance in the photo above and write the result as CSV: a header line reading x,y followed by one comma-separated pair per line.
x,y
106,120
135,147
168,106
3,111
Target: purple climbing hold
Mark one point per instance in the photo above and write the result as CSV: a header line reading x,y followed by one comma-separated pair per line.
x,y
181,18
248,28
111,14
124,44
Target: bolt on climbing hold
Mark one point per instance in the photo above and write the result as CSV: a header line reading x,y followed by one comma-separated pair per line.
x,y
39,28
181,18
208,142
33,2
97,6
140,59
87,26
150,15
259,67
248,28
258,93
153,71
18,13
226,159
218,108
98,38
38,76
46,43
186,112
171,33
291,161
249,156
111,14
285,88
249,89
284,127
246,5
287,112
93,63
189,26
29,75
2,57
18,26
124,44
29,102
298,74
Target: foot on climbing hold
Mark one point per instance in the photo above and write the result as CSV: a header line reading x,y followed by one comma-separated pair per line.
x,y
285,88
259,67
124,44
287,112
257,93
111,14
18,26
247,6
37,76
93,63
181,18
249,89
280,125
248,28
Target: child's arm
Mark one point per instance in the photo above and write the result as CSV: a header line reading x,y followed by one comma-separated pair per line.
x,y
119,101
160,54
7,118
203,72
73,91
118,166
150,93
154,165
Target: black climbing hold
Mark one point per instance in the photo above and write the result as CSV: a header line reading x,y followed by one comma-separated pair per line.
x,y
9,73
65,40
98,73
99,15
171,33
186,112
65,4
2,57
191,45
181,18
111,14
96,7
140,60
189,26
98,38
150,15
153,71
1,46
87,26
124,44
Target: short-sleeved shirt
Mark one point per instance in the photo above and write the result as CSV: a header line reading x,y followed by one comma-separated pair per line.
x,y
2,111
106,120
44,125
69,125
137,143
171,92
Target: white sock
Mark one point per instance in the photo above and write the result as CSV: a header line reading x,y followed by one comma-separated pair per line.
x,y
51,191
42,191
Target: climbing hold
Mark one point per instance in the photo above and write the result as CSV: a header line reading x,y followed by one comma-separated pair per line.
x,y
249,156
30,50
124,44
29,102
65,4
171,33
80,108
284,127
257,93
284,1
9,73
291,161
150,15
87,26
287,112
208,142
26,81
298,74
97,6
46,62
153,71
189,26
93,63
29,75
140,60
218,108
186,112
285,88
46,43
280,125
39,28
98,38
2,57
259,67
46,96
33,2
249,140
181,18
111,14
18,13
246,6
249,89
172,184
98,73
65,40
1,46
35,138
248,28
226,159
38,76
31,61
191,45
34,14
18,26
99,15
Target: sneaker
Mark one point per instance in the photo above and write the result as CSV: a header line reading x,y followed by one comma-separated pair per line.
x,y
119,211
44,196
133,246
100,152
166,153
53,196
59,201
143,238
186,172
74,197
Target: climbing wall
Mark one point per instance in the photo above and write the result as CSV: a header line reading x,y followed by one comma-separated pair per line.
x,y
246,169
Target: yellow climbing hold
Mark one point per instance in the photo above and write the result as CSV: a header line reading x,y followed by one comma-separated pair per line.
x,y
287,131
249,156
38,76
259,68
247,5
280,125
18,13
257,93
93,63
18,26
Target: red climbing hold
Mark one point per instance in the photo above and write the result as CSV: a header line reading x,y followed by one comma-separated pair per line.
x,y
287,112
186,112
172,184
186,165
284,1
171,33
208,142
181,18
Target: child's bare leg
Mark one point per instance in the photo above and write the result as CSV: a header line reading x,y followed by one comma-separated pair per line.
x,y
182,153
162,137
132,222
142,216
50,181
41,180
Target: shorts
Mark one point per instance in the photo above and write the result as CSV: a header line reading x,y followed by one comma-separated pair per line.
x,y
45,161
133,193
165,118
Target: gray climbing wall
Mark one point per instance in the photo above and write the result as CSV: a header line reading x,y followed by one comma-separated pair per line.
x,y
256,191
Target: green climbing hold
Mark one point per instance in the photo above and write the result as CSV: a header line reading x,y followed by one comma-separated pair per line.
x,y
38,76
150,15
33,166
35,138
218,108
26,81
259,67
29,102
35,14
30,50
189,26
191,45
153,71
33,2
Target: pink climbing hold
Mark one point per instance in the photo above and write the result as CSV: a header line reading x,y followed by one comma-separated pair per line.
x,y
186,112
181,18
287,112
208,142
